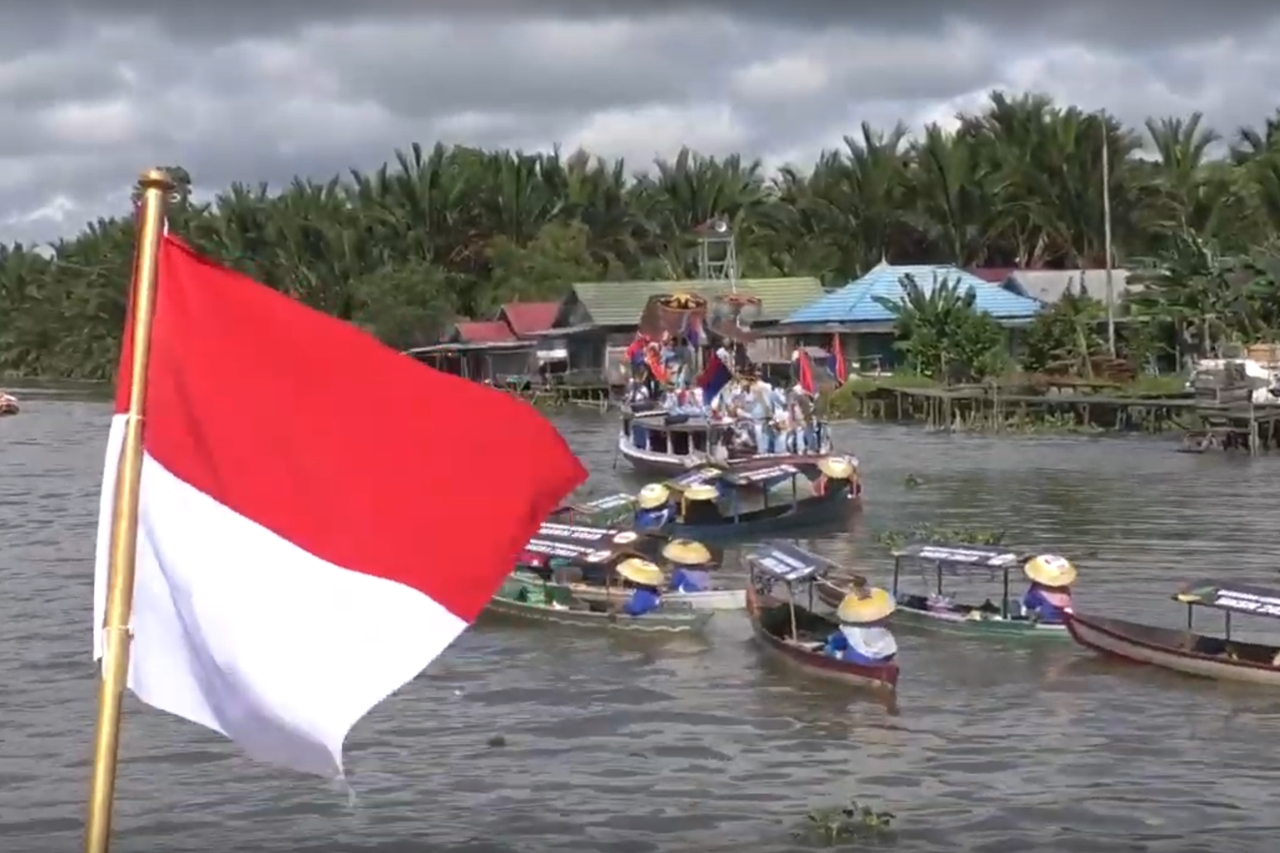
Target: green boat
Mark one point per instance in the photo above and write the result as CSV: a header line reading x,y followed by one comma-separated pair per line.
x,y
528,597
938,612
609,511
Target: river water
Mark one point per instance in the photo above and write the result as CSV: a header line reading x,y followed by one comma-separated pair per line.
x,y
623,745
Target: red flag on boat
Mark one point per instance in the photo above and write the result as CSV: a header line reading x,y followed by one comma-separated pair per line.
x,y
837,352
319,516
805,378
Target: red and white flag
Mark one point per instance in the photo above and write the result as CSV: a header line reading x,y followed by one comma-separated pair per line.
x,y
319,516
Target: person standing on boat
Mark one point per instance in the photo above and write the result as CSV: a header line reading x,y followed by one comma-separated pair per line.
x,y
759,410
647,582
654,507
864,637
691,560
1049,595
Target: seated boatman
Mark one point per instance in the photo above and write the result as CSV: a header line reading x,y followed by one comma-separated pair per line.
x,y
836,473
700,505
691,560
1049,594
654,507
647,582
863,637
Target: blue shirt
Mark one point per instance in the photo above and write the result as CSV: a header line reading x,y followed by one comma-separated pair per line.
x,y
1045,612
652,519
642,601
690,580
838,647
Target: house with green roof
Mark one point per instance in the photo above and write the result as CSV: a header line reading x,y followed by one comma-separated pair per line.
x,y
599,319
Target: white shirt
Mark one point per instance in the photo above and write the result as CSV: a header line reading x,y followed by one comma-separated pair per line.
x,y
875,643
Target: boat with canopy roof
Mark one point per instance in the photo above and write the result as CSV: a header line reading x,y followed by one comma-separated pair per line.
x,y
780,604
1186,651
767,497
943,563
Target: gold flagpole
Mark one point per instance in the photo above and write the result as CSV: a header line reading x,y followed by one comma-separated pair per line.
x,y
155,186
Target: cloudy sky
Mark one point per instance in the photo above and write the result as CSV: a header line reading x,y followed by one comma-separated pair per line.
x,y
91,92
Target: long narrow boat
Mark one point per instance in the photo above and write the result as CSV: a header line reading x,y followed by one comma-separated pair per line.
x,y
522,597
793,634
937,611
1186,651
765,498
587,582
535,592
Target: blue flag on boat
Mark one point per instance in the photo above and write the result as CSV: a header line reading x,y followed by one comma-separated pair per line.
x,y
715,375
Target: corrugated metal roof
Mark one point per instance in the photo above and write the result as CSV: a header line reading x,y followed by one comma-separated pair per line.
x,y
620,303
1049,286
525,318
856,302
482,331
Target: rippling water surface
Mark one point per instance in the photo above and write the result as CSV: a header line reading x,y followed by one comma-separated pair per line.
x,y
615,744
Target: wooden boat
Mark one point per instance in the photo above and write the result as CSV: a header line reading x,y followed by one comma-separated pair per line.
x,y
616,509
519,598
658,443
590,583
716,504
796,635
1186,651
534,592
937,611
8,404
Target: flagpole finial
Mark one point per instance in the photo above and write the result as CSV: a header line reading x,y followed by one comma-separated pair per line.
x,y
155,177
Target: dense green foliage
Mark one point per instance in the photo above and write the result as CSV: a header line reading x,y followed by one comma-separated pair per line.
x,y
444,232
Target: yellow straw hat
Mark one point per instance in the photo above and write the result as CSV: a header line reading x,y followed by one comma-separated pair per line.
x,y
686,552
652,496
641,572
871,605
837,467
1050,570
701,492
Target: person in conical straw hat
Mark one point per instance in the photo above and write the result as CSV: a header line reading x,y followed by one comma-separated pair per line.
x,y
691,560
836,473
654,507
700,505
1049,595
647,581
864,636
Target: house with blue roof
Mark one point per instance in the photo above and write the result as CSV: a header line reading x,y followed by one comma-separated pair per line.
x,y
866,327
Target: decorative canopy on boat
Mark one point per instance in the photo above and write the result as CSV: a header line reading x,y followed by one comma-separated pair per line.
x,y
960,556
760,475
786,562
581,543
703,476
1233,598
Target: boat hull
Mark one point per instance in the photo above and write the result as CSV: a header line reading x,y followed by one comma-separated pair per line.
x,y
711,599
809,513
664,621
667,465
1173,650
955,623
882,678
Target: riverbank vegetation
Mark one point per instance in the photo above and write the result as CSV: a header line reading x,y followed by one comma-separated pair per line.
x,y
445,232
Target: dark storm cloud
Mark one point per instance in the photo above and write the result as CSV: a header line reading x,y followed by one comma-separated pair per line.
x,y
264,90
1100,21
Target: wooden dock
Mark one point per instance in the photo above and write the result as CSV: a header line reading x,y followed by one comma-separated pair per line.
x,y
1229,417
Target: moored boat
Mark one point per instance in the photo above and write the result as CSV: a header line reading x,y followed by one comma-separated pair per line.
x,y
772,496
938,611
1188,652
797,635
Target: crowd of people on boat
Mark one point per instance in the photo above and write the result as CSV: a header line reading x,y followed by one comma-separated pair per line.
x,y
766,419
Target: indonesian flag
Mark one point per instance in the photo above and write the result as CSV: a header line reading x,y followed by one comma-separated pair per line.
x,y
319,516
